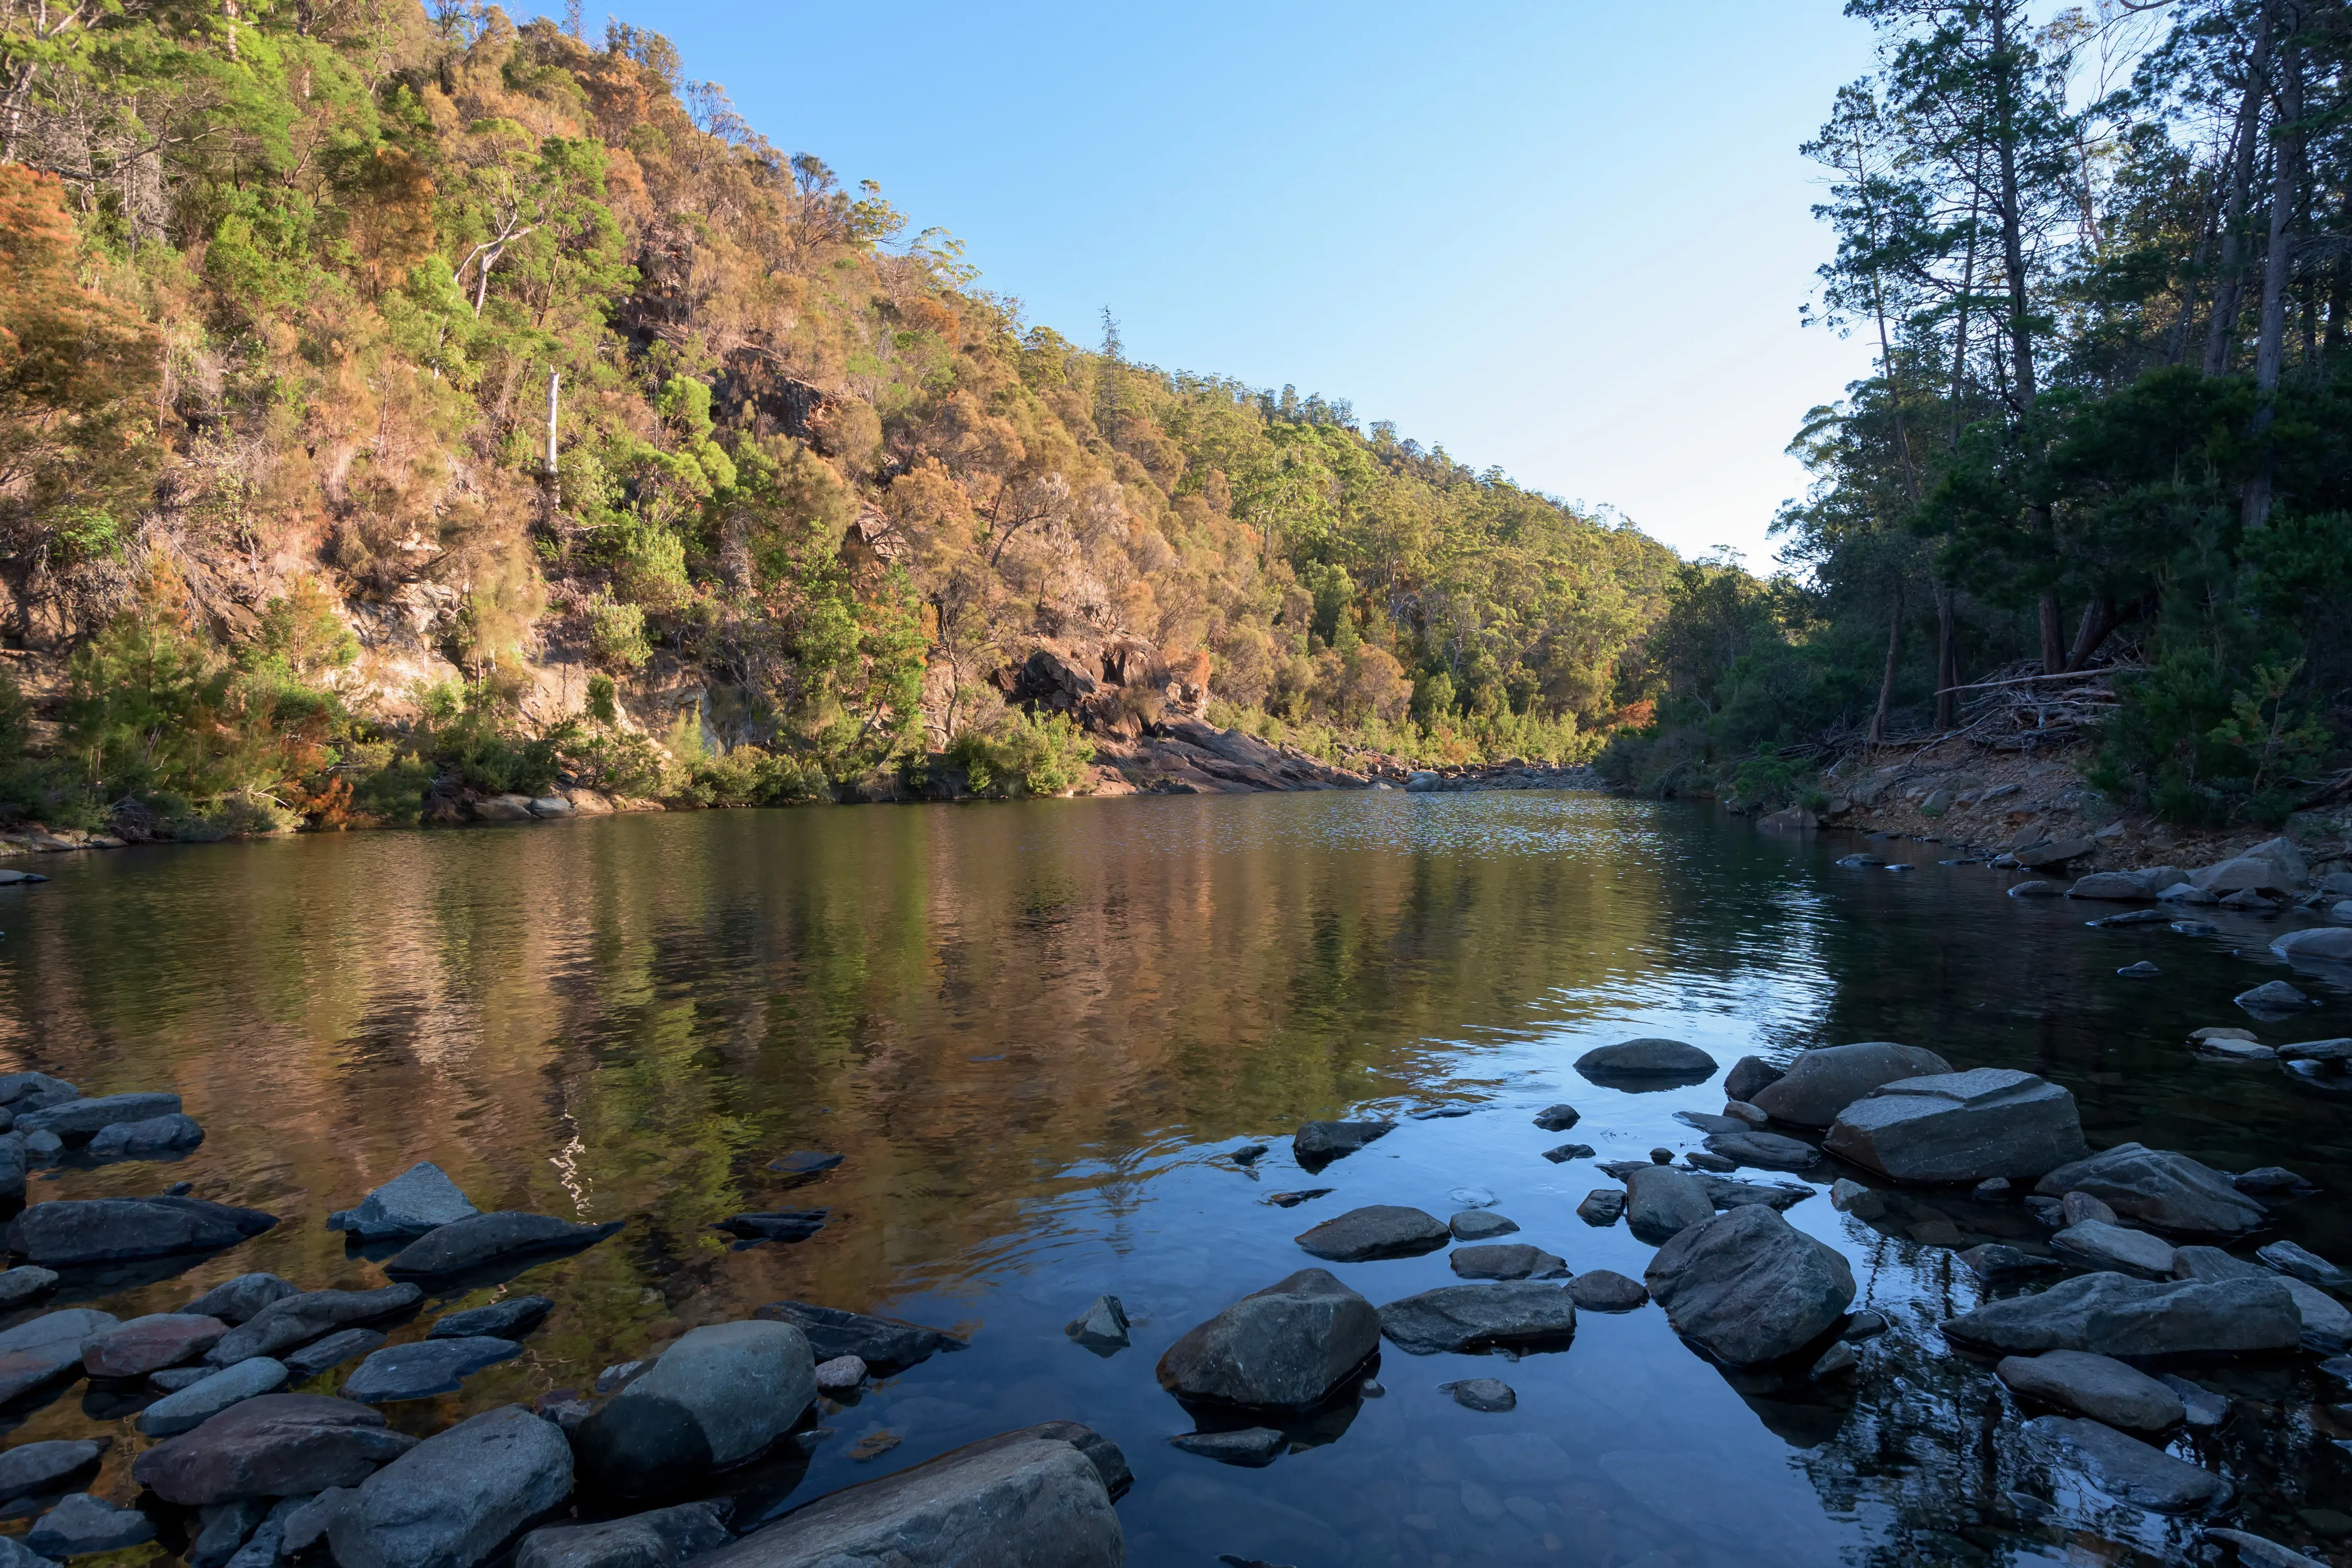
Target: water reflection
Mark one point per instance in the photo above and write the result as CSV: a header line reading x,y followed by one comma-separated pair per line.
x,y
1036,1032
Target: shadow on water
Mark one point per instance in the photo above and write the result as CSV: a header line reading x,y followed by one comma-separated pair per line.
x,y
1037,1033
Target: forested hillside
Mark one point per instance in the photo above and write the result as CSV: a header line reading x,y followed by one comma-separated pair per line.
x,y
2098,489
299,299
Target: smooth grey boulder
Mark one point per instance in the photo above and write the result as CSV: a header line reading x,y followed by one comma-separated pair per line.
x,y
1605,1290
1960,1127
661,1539
278,1445
1023,1497
718,1396
488,1239
2117,1315
1647,1058
508,1319
296,1320
1660,1201
1318,1142
2130,1470
886,1344
1746,1287
419,1200
81,1526
423,1368
1452,1318
69,1231
1748,1078
150,1344
1380,1230
2097,1245
2160,1188
48,1349
1508,1261
20,1285
2098,1387
1287,1347
2272,996
201,1401
322,1355
2325,944
76,1121
1767,1150
2275,867
1480,1224
239,1299
456,1500
171,1134
1823,1081
2117,886
28,1469
1557,1118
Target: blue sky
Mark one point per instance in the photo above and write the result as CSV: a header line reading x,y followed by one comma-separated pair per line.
x,y
1569,239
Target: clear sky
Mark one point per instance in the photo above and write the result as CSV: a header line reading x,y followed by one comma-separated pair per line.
x,y
1569,238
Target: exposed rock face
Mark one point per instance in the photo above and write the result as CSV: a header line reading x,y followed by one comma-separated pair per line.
x,y
420,1199
1290,1346
719,1395
1647,1058
2158,1188
2098,1387
1819,1083
457,1499
1024,1497
488,1239
1480,1317
1960,1127
280,1444
1317,1143
2130,1470
2116,1315
1748,1286
1660,1201
661,1539
72,1231
1382,1230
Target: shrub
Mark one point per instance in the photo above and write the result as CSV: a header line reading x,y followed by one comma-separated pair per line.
x,y
1032,754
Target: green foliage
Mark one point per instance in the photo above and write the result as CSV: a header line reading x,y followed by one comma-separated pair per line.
x,y
1032,754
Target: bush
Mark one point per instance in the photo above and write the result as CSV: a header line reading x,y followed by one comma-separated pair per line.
x,y
1034,754
617,634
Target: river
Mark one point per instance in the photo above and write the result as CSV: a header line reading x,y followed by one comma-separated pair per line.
x,y
1035,1031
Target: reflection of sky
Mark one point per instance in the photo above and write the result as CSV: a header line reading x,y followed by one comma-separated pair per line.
x,y
1036,1030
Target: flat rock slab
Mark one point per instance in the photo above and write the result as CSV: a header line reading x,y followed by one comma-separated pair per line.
x,y
29,1470
1769,1149
1823,1081
508,1319
886,1344
1646,1063
1480,1317
1746,1286
70,1231
1606,1290
416,1202
81,1525
1254,1448
424,1368
76,1121
488,1238
1287,1347
1486,1394
775,1224
1380,1230
298,1319
1317,1143
458,1497
280,1444
659,1539
201,1401
2158,1188
324,1355
1479,1224
1035,1500
2098,1387
2130,1470
239,1300
1960,1127
1508,1261
150,1344
2096,1245
43,1350
145,1140
2117,1315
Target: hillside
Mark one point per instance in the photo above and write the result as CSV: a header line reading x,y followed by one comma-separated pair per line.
x,y
299,299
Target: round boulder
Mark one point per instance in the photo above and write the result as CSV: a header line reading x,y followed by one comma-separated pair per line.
x,y
1290,1346
1647,1063
719,1395
1746,1287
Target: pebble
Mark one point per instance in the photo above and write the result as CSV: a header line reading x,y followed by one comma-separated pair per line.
x,y
1602,1206
840,1375
1471,1198
1567,1151
1479,1224
1557,1118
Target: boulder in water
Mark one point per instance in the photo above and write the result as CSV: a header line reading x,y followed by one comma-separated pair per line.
x,y
150,1344
419,1200
298,1319
78,1121
1648,1063
1748,1077
1454,1318
888,1345
31,1470
1381,1230
1767,1150
661,1539
2097,1245
456,1500
1604,1291
488,1238
2130,1470
1317,1143
278,1445
718,1396
508,1319
423,1368
1746,1287
2117,1315
1960,1127
2324,945
2160,1188
48,1349
70,1231
1823,1081
143,1140
1287,1347
2098,1387
1660,1201
239,1300
191,1407
81,1526
1508,1261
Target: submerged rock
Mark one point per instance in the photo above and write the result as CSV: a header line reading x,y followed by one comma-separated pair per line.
x,y
1487,1393
886,1344
2130,1470
1290,1346
419,1200
278,1445
2098,1387
488,1238
1480,1317
2117,1315
1823,1081
457,1499
423,1368
508,1319
2158,1188
775,1224
1746,1287
1026,1498
69,1231
1254,1448
661,1539
1380,1230
1506,1262
1960,1127
719,1395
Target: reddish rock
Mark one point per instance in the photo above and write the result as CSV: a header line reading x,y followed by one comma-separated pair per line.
x,y
150,1344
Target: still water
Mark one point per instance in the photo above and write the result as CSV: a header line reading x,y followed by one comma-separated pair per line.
x,y
1035,1032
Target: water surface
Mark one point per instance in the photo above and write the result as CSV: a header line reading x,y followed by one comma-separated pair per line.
x,y
1037,1031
